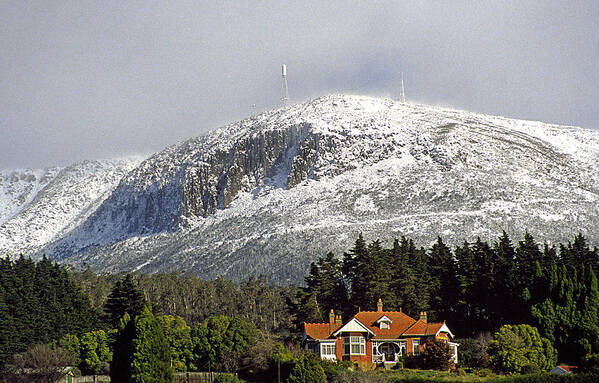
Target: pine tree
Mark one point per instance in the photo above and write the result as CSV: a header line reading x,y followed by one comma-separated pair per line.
x,y
353,263
405,282
503,297
446,285
125,297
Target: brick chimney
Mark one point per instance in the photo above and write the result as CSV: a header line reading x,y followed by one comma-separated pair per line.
x,y
331,320
379,306
423,316
338,319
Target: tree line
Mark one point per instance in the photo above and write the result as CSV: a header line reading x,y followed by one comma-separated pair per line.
x,y
476,288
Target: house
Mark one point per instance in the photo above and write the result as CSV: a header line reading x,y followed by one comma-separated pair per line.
x,y
561,370
374,336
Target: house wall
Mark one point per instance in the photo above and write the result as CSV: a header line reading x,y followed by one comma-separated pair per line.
x,y
339,348
356,358
409,345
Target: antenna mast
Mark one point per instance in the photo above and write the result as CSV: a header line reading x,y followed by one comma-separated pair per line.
x,y
402,95
284,89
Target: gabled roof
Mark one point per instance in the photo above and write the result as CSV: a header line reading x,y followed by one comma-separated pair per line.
x,y
400,322
354,325
317,330
384,318
401,325
424,328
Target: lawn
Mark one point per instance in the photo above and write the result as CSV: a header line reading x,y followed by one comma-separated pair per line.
x,y
409,375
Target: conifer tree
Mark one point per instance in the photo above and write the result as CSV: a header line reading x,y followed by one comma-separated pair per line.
x,y
505,282
446,285
125,297
404,283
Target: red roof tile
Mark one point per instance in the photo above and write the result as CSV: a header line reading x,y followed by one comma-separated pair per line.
x,y
424,328
400,322
401,325
568,368
320,330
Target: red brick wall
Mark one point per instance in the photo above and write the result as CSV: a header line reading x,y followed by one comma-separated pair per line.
x,y
339,348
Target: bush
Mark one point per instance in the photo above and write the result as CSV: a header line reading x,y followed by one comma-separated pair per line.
x,y
333,368
436,355
307,370
515,346
590,363
348,376
530,369
474,351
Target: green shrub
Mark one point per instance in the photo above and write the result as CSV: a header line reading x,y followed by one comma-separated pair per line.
x,y
436,355
590,363
515,346
307,370
530,369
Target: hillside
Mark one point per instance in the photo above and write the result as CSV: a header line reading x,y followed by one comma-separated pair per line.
x,y
268,194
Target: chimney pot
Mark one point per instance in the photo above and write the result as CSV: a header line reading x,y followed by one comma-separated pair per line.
x,y
379,305
423,316
331,320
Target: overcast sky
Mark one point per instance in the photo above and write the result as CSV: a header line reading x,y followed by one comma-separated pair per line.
x,y
99,79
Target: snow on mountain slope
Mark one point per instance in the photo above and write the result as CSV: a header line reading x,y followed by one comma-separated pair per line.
x,y
58,200
270,193
19,187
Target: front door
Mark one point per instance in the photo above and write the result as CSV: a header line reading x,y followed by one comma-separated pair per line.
x,y
389,351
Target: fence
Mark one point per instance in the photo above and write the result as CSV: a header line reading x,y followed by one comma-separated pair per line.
x,y
92,379
196,377
180,377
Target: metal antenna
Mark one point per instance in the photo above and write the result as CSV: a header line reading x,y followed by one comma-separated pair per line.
x,y
284,89
402,95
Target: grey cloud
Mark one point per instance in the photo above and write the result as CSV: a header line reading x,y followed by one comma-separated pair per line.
x,y
89,79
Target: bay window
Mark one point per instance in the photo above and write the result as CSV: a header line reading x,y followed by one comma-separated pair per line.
x,y
354,345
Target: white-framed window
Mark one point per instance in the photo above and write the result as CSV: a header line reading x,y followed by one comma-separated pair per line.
x,y
354,345
384,324
327,349
416,346
402,347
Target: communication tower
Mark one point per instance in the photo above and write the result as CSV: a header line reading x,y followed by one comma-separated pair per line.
x,y
402,95
284,89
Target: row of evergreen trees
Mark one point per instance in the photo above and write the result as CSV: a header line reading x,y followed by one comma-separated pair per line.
x,y
476,288
39,303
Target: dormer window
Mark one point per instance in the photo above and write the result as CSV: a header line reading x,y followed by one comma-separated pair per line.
x,y
384,322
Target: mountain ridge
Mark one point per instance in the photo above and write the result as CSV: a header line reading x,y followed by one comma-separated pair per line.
x,y
268,194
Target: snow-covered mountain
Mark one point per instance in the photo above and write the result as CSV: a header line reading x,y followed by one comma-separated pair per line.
x,y
39,205
269,194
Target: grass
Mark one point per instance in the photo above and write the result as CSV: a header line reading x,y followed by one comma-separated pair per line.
x,y
435,376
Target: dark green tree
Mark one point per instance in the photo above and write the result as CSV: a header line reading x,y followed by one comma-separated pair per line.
x,y
122,351
125,297
445,284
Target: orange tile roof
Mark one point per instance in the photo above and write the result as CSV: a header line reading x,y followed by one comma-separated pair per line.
x,y
401,325
320,330
400,322
424,328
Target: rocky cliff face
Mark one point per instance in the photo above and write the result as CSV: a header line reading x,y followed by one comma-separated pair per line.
x,y
270,193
